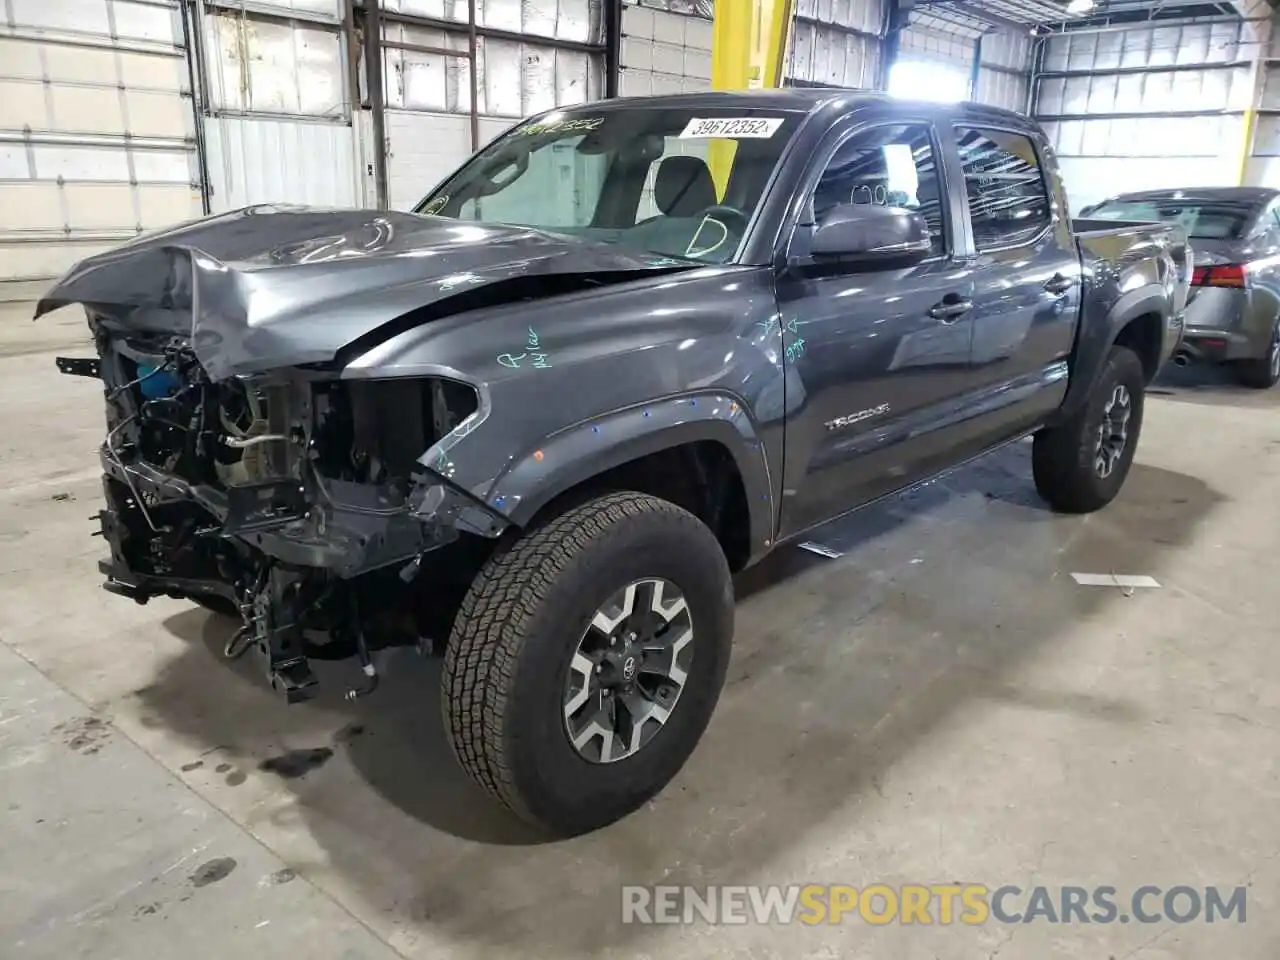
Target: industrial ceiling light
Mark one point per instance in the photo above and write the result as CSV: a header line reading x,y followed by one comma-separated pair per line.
x,y
1080,6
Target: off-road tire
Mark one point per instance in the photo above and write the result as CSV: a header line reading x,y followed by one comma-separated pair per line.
x,y
1261,373
518,628
1062,456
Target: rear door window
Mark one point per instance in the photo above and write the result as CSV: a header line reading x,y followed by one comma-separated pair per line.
x,y
1008,201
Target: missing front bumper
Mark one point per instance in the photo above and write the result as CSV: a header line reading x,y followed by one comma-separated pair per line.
x,y
345,529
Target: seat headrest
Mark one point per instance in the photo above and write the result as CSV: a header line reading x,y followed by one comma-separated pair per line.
x,y
683,186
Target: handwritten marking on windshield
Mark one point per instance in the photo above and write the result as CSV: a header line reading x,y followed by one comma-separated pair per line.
x,y
559,126
795,350
694,251
534,354
792,326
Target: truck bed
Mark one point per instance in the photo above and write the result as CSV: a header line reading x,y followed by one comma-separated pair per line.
x,y
1087,225
1121,243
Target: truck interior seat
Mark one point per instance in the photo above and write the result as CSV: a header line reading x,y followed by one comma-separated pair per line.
x,y
683,186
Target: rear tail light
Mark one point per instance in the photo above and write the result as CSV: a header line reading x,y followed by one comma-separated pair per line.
x,y
1225,275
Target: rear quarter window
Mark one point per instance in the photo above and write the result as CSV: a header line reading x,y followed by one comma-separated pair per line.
x,y
1008,201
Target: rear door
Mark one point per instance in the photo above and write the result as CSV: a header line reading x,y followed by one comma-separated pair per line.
x,y
875,360
1026,274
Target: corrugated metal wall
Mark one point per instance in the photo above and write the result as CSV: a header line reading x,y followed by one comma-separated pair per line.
x,y
837,43
1004,71
1146,107
1263,166
276,109
97,135
923,42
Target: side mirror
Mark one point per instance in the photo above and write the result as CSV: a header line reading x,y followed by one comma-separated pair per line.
x,y
869,234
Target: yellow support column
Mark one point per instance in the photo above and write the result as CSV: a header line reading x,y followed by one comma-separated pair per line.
x,y
1261,33
771,47
749,43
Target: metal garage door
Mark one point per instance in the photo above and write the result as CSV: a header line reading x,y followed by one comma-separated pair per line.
x,y
663,52
529,58
97,136
1149,107
277,106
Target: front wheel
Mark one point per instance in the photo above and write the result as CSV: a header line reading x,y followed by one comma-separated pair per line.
x,y
1081,464
587,658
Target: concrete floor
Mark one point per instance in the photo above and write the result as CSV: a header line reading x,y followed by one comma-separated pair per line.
x,y
941,703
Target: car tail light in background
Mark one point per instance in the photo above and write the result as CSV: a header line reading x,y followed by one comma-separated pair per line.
x,y
1224,275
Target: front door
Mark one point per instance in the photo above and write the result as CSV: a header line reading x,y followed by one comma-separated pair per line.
x,y
877,359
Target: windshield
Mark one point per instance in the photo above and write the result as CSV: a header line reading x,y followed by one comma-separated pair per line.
x,y
678,182
1202,219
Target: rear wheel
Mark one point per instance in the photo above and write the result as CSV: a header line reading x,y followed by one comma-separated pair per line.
x,y
1080,465
586,660
1262,373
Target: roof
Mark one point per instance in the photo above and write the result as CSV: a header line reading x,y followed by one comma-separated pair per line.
x,y
808,100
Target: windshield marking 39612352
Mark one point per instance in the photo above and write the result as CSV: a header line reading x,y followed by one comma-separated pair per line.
x,y
760,127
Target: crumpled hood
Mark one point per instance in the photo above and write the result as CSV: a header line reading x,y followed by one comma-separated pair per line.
x,y
272,286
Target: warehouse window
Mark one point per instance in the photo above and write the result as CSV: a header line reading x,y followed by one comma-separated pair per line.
x,y
890,166
1008,203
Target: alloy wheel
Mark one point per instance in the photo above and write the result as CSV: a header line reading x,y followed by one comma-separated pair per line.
x,y
1113,432
628,671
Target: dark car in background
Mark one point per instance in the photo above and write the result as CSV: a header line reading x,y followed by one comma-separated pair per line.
x,y
1233,315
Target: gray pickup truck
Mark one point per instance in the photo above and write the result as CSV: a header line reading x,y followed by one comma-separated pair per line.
x,y
626,350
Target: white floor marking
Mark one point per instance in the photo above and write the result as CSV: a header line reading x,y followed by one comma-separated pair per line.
x,y
820,550
1113,580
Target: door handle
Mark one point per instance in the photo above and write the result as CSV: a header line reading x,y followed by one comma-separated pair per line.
x,y
950,310
1058,284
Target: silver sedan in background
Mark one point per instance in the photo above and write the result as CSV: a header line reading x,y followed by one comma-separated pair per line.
x,y
1233,315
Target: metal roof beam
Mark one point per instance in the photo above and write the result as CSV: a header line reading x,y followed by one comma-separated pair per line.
x,y
985,16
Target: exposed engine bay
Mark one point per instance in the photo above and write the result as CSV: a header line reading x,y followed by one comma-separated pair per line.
x,y
296,500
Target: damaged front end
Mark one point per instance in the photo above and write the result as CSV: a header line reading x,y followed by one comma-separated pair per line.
x,y
247,469
295,499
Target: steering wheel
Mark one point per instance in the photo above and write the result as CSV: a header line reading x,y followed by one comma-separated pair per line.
x,y
715,225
